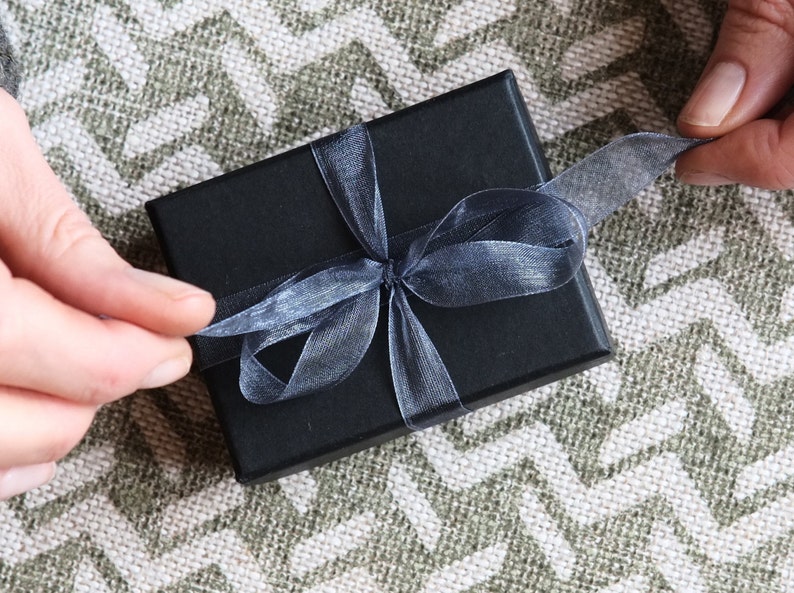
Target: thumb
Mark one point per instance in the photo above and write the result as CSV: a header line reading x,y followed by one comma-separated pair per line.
x,y
47,239
750,70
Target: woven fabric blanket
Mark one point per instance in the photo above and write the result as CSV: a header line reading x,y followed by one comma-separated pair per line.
x,y
670,469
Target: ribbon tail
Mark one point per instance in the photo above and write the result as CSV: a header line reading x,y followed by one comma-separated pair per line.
x,y
425,392
301,297
607,179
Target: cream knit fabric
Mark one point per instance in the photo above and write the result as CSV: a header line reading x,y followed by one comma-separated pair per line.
x,y
668,470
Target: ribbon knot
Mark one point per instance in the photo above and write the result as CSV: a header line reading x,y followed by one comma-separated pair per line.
x,y
494,244
389,275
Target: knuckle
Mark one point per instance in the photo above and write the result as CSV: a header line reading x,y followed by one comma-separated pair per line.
x,y
778,157
782,175
66,231
108,384
767,143
756,16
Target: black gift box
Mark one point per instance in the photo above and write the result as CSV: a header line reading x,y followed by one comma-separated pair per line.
x,y
272,219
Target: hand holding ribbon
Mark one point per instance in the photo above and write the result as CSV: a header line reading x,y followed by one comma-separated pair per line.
x,y
494,244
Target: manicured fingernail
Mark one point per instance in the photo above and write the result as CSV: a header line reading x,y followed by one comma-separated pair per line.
x,y
176,289
704,178
167,372
715,95
21,479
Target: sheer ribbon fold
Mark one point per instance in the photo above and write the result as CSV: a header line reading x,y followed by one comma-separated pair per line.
x,y
492,245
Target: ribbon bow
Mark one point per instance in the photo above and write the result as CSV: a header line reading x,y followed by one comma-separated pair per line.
x,y
494,244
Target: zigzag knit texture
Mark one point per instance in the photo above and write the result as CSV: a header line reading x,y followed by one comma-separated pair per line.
x,y
670,469
9,69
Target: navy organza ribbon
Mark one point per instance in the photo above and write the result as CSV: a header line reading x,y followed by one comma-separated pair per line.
x,y
495,244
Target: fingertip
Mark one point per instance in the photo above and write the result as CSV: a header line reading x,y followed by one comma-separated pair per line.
x,y
749,70
703,178
17,480
691,130
194,313
700,166
167,372
171,287
158,303
180,317
714,98
133,358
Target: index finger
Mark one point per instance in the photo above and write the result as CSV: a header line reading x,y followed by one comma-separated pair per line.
x,y
750,69
47,239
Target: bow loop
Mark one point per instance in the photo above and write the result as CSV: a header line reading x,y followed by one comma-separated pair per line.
x,y
525,243
488,271
337,307
338,339
347,163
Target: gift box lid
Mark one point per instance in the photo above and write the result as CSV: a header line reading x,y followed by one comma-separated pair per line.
x,y
267,221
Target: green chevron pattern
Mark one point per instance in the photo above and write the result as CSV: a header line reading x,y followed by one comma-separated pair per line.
x,y
668,470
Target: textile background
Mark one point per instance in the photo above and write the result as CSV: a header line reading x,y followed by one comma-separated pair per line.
x,y
670,469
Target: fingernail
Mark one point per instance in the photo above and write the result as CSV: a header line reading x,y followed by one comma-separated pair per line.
x,y
167,372
176,289
704,178
715,95
21,479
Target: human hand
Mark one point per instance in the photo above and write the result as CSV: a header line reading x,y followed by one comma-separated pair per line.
x,y
750,70
59,360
